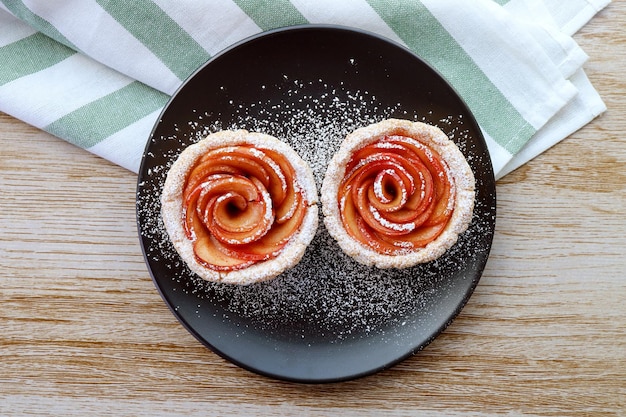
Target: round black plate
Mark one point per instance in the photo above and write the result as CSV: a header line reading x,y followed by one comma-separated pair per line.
x,y
328,319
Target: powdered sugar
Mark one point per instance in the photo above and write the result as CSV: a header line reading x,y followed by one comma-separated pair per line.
x,y
327,296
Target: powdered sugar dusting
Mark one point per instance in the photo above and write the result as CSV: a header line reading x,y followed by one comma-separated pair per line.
x,y
327,296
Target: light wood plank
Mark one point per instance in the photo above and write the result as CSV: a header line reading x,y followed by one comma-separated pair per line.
x,y
84,331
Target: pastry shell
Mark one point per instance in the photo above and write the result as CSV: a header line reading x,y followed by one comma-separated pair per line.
x,y
459,169
172,208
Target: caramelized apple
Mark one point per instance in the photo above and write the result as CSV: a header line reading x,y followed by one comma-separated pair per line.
x,y
271,243
208,253
241,205
397,195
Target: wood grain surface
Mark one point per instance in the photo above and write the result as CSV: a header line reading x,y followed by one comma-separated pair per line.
x,y
83,330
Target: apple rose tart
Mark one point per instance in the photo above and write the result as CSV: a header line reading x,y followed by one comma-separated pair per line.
x,y
240,207
397,194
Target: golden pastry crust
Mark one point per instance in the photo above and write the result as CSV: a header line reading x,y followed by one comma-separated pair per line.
x,y
172,208
462,183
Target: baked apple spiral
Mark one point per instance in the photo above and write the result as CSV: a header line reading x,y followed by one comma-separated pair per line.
x,y
397,195
240,207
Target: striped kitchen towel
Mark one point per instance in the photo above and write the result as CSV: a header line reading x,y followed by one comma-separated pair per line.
x,y
97,73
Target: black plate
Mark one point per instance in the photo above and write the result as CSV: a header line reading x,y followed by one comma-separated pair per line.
x,y
328,319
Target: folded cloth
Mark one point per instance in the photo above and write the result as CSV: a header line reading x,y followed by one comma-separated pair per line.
x,y
97,73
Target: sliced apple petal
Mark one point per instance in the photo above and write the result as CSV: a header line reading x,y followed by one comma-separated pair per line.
x,y
419,238
370,238
389,191
374,218
276,181
444,205
293,199
272,242
236,184
431,159
190,222
397,194
350,219
206,170
239,164
262,166
258,214
233,213
207,252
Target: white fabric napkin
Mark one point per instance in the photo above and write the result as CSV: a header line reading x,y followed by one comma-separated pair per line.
x,y
98,72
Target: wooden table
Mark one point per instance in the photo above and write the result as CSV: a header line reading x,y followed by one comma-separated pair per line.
x,y
83,330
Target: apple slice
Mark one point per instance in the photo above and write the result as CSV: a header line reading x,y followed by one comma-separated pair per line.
x,y
444,204
372,239
351,218
293,196
443,192
423,194
261,166
280,233
206,170
207,252
416,219
289,205
272,242
219,185
243,226
276,181
390,190
190,223
236,157
430,158
419,238
233,213
373,217
375,149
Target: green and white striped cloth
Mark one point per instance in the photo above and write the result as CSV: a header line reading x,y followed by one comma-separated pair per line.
x,y
98,72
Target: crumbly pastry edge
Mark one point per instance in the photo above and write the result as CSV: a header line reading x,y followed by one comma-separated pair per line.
x,y
459,169
172,208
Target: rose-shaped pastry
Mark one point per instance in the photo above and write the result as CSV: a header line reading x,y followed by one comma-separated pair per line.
x,y
397,193
240,207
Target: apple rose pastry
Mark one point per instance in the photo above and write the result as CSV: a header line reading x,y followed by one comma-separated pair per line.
x,y
397,193
240,207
